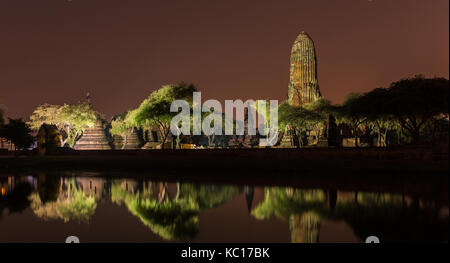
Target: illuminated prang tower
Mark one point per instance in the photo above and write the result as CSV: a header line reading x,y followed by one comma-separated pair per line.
x,y
303,84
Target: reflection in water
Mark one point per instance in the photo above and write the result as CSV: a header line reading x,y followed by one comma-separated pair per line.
x,y
172,210
304,228
395,217
171,218
249,194
68,200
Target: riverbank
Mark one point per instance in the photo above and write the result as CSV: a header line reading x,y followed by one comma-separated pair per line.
x,y
239,162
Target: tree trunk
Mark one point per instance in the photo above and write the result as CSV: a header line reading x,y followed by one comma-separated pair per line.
x,y
68,137
163,141
125,140
74,140
178,141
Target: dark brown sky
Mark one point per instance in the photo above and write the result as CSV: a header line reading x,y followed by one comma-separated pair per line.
x,y
55,51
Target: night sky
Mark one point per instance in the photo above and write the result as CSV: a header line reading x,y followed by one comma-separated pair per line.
x,y
55,51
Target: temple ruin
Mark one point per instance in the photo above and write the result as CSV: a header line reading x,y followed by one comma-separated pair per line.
x,y
303,85
93,138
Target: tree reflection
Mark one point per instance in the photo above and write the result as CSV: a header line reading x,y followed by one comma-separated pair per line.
x,y
169,218
171,210
15,201
49,187
209,196
71,204
392,217
301,207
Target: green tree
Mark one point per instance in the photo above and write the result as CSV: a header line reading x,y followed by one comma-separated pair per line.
x,y
321,109
122,124
418,106
377,116
18,132
46,113
71,119
415,102
298,120
155,110
213,139
352,111
75,118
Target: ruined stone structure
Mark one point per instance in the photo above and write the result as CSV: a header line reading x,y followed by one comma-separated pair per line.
x,y
5,144
117,141
329,135
152,139
303,84
288,139
48,139
246,140
93,139
133,141
96,187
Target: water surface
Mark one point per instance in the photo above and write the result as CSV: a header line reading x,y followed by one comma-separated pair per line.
x,y
43,207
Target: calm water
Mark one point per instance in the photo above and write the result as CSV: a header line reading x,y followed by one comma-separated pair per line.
x,y
48,208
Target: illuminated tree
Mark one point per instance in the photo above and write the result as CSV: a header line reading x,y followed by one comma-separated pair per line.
x,y
75,118
122,124
321,110
71,119
155,110
298,120
46,113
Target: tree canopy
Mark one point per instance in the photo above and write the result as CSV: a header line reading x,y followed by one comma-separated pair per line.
x,y
122,124
71,119
416,101
298,120
18,132
73,205
412,102
169,218
155,110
